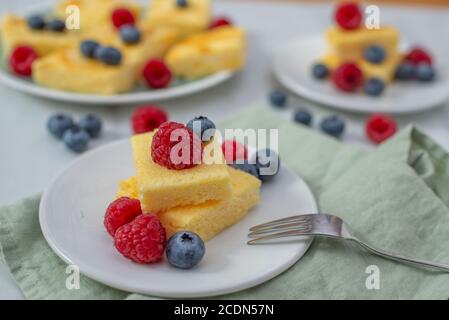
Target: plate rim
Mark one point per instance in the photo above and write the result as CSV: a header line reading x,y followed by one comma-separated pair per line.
x,y
47,234
328,100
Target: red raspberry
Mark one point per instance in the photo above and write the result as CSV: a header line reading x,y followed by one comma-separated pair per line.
x,y
347,77
418,55
120,212
147,118
219,22
172,135
22,59
142,240
122,16
380,127
348,15
232,150
157,74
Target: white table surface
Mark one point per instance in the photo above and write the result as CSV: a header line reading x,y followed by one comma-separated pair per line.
x,y
29,156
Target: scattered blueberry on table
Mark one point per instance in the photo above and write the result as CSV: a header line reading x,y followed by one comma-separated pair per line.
x,y
206,127
185,250
36,22
91,124
76,139
374,54
278,98
303,116
59,123
108,55
333,125
405,71
247,167
88,48
56,25
320,71
130,34
425,72
374,87
182,3
268,164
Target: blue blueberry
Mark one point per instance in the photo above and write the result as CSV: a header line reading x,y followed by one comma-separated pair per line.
x,y
130,34
91,124
56,25
333,125
59,123
108,55
425,72
88,48
268,164
36,22
303,116
200,125
76,139
247,167
278,98
185,250
320,71
374,87
405,71
182,3
375,54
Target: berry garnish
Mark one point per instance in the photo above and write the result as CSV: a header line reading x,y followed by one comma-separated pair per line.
x,y
120,212
333,126
418,55
185,250
247,167
143,240
375,54
22,59
147,118
88,47
405,71
202,127
76,139
278,98
122,16
220,22
59,123
348,15
91,124
233,150
347,77
268,164
320,71
303,116
56,25
374,87
130,34
380,127
108,55
187,146
425,72
157,74
36,22
182,3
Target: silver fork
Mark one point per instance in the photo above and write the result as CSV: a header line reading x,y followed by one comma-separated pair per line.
x,y
324,225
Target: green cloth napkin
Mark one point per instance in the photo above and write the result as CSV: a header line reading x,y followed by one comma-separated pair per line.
x,y
397,196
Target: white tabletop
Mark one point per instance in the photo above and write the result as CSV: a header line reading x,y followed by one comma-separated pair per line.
x,y
30,156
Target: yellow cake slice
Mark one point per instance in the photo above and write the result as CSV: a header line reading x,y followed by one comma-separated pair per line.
x,y
210,218
95,13
15,32
350,45
160,188
195,17
206,53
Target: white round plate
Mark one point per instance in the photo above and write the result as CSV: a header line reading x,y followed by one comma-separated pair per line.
x,y
138,95
292,67
71,218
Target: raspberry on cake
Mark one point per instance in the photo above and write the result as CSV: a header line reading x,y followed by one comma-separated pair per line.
x,y
212,217
205,53
160,188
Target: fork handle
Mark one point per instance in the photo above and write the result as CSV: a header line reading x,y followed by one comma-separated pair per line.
x,y
398,257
